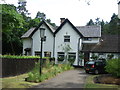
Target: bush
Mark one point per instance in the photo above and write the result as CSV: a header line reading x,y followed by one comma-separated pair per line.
x,y
48,71
113,67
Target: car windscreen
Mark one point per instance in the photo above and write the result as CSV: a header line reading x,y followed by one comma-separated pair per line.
x,y
90,62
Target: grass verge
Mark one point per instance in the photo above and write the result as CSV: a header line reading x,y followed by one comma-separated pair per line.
x,y
17,82
90,84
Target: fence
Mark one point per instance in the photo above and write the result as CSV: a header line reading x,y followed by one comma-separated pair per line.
x,y
12,67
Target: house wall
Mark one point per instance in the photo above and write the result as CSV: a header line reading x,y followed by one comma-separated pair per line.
x,y
59,40
47,45
119,10
93,40
27,43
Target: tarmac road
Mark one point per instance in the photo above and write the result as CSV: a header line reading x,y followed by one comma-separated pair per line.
x,y
68,79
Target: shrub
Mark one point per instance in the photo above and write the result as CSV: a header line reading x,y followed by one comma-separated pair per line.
x,y
48,71
113,67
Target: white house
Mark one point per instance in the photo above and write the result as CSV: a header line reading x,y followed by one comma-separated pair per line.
x,y
119,9
79,39
32,41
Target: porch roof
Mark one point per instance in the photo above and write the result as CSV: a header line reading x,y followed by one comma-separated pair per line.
x,y
108,44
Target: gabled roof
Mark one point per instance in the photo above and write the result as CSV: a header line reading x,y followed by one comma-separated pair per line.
x,y
108,44
90,31
31,31
28,33
65,21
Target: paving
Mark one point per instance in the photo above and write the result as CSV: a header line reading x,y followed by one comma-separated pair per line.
x,y
68,79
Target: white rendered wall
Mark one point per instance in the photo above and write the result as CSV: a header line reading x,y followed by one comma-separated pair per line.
x,y
59,39
27,43
47,45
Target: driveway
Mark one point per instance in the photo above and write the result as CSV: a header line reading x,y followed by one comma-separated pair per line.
x,y
68,79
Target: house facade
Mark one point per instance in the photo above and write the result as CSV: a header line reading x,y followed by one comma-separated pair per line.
x,y
57,40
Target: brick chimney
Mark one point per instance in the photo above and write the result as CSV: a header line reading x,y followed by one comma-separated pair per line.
x,y
62,20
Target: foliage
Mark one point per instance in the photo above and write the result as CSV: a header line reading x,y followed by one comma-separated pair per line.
x,y
48,71
110,56
17,82
66,48
21,57
94,57
12,24
22,7
112,27
91,85
113,68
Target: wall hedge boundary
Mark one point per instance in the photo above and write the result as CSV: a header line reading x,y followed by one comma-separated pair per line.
x,y
13,66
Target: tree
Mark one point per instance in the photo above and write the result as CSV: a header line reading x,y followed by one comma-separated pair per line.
x,y
22,7
40,15
12,26
90,23
66,48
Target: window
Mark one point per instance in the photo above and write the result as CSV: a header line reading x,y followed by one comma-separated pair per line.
x,y
87,39
47,54
66,38
60,56
37,53
72,55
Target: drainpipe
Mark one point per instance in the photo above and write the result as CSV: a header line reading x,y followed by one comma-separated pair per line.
x,y
79,44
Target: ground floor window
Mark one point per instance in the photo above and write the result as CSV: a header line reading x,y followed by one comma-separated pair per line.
x,y
37,53
72,55
47,54
60,56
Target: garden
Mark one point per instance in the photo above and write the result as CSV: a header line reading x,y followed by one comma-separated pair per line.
x,y
28,77
109,80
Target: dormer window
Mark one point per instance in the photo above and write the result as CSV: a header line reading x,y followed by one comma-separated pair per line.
x,y
87,39
66,38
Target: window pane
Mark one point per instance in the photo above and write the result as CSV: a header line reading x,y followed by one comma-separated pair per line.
x,y
37,53
60,56
66,38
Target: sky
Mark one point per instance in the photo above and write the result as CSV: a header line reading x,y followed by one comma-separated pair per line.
x,y
77,11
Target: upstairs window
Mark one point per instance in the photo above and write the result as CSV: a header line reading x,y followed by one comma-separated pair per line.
x,y
66,38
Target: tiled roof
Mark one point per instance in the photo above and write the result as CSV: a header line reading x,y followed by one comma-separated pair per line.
x,y
31,31
51,27
28,33
108,43
90,31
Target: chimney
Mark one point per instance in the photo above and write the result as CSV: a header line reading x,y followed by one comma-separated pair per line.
x,y
119,9
62,20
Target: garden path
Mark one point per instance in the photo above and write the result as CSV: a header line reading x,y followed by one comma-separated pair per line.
x,y
68,79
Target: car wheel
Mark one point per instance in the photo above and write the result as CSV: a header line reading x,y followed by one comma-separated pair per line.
x,y
96,72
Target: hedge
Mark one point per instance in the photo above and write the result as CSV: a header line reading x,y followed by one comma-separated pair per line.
x,y
15,65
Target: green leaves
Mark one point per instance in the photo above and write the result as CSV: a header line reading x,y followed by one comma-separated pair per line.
x,y
113,67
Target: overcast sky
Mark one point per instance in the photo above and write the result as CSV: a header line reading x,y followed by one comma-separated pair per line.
x,y
77,11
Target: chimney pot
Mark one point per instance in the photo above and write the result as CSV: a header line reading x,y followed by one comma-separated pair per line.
x,y
62,20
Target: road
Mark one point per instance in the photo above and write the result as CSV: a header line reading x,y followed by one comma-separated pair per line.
x,y
68,79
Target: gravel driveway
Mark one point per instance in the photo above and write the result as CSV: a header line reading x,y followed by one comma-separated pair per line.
x,y
68,79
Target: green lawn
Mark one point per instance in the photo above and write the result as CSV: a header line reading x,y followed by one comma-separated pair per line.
x,y
91,84
17,82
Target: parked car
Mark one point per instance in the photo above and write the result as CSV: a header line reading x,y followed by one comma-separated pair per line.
x,y
96,66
